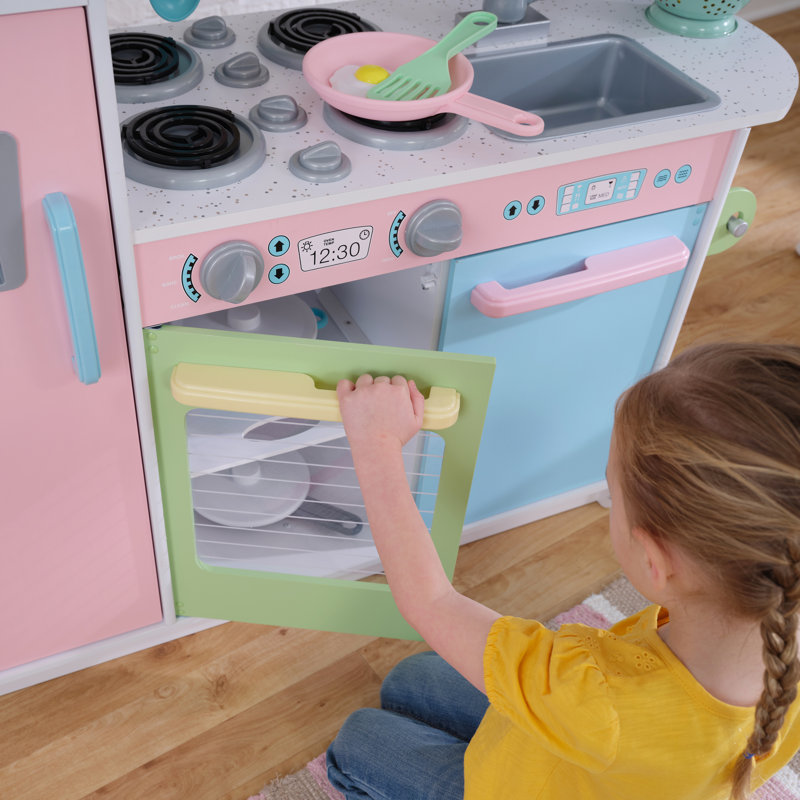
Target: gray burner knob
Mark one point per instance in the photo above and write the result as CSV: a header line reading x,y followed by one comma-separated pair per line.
x,y
210,32
320,163
278,114
434,228
231,271
242,72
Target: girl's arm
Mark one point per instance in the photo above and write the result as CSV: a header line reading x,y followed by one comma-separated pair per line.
x,y
380,416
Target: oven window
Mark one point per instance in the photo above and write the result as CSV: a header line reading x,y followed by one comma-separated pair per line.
x,y
279,494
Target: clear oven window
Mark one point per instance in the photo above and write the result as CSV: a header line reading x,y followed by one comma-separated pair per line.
x,y
279,494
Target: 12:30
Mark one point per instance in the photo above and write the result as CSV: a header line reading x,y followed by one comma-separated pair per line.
x,y
326,254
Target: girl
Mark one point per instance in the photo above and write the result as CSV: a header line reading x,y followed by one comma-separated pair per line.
x,y
693,698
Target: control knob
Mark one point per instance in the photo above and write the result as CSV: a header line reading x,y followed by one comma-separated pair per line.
x,y
434,228
737,226
231,271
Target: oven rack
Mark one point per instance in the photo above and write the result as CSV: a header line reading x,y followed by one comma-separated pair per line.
x,y
280,494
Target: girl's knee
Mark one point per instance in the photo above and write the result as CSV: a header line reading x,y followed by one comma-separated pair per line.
x,y
408,675
356,758
359,728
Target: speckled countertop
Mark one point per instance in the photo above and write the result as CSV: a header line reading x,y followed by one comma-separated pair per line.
x,y
751,73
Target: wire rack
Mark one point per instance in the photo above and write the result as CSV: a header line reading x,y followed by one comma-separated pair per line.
x,y
280,494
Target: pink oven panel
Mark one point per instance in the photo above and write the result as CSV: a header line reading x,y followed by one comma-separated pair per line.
x,y
323,248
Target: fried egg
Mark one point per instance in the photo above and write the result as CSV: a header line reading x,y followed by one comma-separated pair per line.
x,y
356,80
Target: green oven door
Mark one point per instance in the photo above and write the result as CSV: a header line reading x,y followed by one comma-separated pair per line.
x,y
264,517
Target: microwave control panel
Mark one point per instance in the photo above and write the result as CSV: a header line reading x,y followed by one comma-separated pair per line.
x,y
199,273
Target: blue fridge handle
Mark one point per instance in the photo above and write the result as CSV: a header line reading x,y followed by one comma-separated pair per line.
x,y
85,359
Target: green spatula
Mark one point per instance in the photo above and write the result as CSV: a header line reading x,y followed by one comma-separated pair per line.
x,y
429,74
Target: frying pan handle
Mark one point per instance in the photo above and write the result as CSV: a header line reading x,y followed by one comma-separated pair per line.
x,y
499,115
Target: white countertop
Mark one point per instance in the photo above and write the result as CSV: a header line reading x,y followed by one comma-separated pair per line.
x,y
754,77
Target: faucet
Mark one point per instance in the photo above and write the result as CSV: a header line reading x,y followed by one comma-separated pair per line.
x,y
517,23
507,12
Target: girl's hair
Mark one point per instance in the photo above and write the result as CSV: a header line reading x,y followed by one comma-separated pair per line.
x,y
709,458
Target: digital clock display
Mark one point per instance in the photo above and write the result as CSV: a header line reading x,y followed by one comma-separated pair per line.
x,y
599,191
334,248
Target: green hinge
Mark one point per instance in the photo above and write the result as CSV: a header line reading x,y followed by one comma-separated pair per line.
x,y
738,213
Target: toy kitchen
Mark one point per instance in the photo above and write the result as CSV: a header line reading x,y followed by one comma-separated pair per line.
x,y
201,234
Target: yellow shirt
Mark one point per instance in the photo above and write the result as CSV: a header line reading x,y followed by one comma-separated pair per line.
x,y
612,715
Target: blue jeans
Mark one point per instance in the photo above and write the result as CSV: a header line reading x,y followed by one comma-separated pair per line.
x,y
412,747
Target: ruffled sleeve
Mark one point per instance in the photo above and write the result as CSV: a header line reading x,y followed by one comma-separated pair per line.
x,y
550,686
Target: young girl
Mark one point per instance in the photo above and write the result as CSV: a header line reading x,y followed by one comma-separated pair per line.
x,y
691,699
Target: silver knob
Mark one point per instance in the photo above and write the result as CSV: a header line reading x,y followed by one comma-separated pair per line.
x,y
737,226
231,271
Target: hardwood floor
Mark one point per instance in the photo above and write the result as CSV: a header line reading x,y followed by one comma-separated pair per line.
x,y
216,715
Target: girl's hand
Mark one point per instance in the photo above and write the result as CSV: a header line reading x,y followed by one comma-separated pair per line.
x,y
380,410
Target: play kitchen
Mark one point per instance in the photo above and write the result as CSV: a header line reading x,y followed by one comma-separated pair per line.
x,y
522,236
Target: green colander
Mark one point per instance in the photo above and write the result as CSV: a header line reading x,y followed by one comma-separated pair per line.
x,y
702,19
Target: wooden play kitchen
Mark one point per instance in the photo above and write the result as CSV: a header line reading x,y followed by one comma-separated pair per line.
x,y
523,277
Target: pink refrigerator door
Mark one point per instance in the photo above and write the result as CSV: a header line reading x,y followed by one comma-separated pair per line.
x,y
77,560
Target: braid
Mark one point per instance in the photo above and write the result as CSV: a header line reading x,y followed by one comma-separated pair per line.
x,y
709,455
782,669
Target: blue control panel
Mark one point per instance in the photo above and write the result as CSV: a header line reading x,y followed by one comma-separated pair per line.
x,y
600,191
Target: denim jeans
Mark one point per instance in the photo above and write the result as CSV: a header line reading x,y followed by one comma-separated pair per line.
x,y
412,748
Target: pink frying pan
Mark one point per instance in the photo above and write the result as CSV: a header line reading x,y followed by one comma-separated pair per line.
x,y
390,50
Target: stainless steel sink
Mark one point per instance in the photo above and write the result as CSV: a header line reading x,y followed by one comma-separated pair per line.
x,y
583,85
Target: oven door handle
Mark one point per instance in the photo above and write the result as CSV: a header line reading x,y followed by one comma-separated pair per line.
x,y
284,394
601,273
64,229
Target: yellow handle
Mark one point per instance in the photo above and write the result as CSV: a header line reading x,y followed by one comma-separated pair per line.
x,y
284,394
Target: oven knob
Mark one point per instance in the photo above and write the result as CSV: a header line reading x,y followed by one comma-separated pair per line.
x,y
243,71
231,271
211,32
434,228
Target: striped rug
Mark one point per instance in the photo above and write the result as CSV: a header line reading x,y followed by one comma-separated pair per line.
x,y
616,602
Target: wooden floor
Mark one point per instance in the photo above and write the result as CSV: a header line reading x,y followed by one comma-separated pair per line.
x,y
216,715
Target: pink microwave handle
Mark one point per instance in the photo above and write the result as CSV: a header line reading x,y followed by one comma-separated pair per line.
x,y
601,273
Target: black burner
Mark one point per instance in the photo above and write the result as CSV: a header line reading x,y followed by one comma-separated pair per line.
x,y
143,58
418,134
288,37
183,137
404,126
300,29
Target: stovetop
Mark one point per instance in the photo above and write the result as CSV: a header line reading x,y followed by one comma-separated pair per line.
x,y
272,190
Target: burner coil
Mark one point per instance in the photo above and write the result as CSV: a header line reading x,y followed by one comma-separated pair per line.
x,y
143,58
300,29
183,137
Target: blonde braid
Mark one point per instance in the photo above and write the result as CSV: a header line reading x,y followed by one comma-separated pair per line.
x,y
709,454
782,669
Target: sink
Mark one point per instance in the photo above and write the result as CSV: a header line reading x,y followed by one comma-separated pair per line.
x,y
583,85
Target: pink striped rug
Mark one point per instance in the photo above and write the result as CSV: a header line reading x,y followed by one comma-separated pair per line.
x,y
617,601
